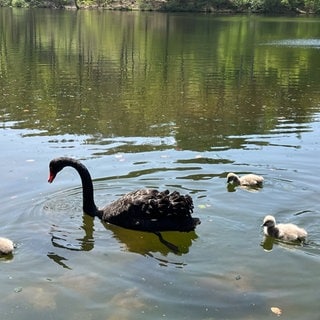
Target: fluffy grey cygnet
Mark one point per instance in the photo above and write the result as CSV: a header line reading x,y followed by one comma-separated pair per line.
x,y
283,231
6,246
249,180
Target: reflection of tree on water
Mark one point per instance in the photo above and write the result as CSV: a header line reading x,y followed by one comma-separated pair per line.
x,y
144,243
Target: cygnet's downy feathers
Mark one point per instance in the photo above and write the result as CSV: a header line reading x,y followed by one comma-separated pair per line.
x,y
249,180
283,231
6,246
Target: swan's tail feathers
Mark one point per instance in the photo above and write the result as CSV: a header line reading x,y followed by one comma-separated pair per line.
x,y
173,204
164,205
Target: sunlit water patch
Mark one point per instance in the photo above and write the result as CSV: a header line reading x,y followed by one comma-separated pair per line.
x,y
296,43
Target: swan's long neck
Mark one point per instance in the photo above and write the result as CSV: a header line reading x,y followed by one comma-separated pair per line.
x,y
89,206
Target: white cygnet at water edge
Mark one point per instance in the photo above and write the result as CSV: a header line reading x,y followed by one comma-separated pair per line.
x,y
6,246
283,231
249,180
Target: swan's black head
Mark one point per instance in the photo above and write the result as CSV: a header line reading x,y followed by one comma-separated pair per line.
x,y
56,165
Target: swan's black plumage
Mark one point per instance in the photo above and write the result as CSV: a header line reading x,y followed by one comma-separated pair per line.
x,y
145,209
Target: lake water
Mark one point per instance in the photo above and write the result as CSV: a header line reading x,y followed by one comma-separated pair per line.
x,y
166,101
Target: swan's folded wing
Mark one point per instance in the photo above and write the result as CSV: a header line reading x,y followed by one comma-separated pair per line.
x,y
150,209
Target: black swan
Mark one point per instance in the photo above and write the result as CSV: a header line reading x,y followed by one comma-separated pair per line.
x,y
144,210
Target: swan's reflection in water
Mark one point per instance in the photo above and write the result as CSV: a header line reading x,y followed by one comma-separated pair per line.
x,y
59,239
268,243
59,236
147,242
144,243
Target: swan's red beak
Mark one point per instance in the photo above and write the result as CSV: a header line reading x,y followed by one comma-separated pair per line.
x,y
51,177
